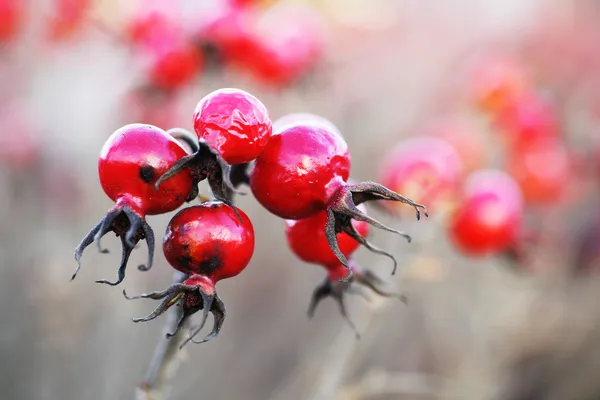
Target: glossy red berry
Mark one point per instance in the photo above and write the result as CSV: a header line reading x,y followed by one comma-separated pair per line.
x,y
232,126
130,163
209,242
299,170
490,216
240,173
131,160
234,123
304,170
424,169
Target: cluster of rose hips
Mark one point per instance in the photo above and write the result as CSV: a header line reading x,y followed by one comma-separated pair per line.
x,y
276,45
297,168
486,206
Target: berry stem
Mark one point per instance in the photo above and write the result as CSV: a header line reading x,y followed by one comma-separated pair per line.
x,y
167,355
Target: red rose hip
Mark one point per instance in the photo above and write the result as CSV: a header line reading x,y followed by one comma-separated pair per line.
x,y
130,162
234,123
299,171
209,242
233,128
304,170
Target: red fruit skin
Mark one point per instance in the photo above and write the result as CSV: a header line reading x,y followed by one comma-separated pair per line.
x,y
306,238
209,240
490,216
234,123
424,169
299,170
11,19
543,170
126,152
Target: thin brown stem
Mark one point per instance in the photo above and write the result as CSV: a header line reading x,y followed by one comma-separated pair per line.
x,y
167,356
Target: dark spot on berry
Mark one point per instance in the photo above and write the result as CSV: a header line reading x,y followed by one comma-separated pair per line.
x,y
211,264
185,262
147,173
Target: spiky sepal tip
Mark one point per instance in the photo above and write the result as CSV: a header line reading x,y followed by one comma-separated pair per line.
x,y
194,294
130,227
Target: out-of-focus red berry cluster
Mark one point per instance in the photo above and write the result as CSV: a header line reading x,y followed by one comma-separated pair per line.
x,y
511,151
275,44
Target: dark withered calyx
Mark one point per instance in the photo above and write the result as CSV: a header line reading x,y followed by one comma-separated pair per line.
x,y
205,163
342,209
130,227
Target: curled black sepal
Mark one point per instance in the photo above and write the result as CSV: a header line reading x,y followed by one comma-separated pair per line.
x,y
130,227
337,290
371,191
207,164
342,209
192,298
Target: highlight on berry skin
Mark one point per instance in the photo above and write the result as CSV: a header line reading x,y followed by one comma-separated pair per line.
x,y
208,242
130,162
